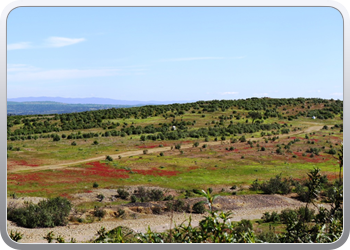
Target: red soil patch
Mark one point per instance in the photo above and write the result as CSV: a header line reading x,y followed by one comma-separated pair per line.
x,y
103,170
12,163
315,159
332,177
22,178
26,191
66,195
193,168
153,146
156,172
186,141
70,176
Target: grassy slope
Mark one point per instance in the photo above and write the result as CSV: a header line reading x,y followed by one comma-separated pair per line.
x,y
194,168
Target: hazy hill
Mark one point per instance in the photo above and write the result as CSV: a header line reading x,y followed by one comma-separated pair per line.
x,y
50,107
89,100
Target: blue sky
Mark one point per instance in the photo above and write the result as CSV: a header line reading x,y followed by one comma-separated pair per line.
x,y
166,54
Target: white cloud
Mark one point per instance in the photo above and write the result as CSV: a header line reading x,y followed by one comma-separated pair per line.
x,y
229,93
21,45
337,94
56,42
51,42
20,68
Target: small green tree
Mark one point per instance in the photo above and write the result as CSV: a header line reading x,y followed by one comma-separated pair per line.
x,y
109,158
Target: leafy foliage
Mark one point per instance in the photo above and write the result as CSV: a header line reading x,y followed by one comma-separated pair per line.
x,y
47,213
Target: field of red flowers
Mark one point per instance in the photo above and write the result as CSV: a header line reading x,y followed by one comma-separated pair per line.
x,y
12,163
88,173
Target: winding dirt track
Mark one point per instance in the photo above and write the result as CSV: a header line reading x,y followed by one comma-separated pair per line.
x,y
151,150
85,232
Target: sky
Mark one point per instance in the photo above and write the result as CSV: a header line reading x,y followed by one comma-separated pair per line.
x,y
175,53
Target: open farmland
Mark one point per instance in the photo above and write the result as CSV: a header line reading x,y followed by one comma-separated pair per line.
x,y
178,147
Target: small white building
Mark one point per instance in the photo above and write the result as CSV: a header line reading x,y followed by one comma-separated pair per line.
x,y
174,128
314,117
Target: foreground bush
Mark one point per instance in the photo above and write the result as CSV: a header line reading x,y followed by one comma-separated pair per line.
x,y
47,213
277,186
274,186
216,227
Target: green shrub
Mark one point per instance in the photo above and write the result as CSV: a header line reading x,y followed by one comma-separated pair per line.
x,y
306,214
177,206
47,213
273,217
101,197
99,212
133,198
95,185
121,212
156,210
255,186
198,208
109,158
169,198
156,195
332,151
123,193
276,186
243,226
242,139
287,215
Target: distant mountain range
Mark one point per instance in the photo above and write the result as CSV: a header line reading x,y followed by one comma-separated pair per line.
x,y
90,100
59,105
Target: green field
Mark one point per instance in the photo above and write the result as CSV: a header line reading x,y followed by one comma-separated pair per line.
x,y
40,165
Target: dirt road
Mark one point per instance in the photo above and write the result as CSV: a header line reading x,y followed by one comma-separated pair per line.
x,y
151,150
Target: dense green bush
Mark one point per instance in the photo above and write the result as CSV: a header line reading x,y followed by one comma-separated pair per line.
x,y
133,198
177,206
123,193
99,212
156,195
273,217
276,186
255,186
109,158
198,208
288,214
47,213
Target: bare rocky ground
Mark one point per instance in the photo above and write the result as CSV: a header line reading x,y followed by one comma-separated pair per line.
x,y
138,216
